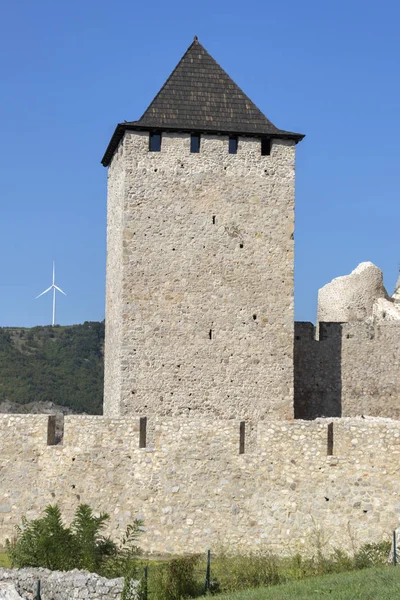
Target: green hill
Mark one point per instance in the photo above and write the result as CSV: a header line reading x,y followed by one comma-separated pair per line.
x,y
63,365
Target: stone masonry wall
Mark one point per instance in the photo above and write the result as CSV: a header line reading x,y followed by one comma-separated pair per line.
x,y
115,224
205,297
195,491
78,585
353,369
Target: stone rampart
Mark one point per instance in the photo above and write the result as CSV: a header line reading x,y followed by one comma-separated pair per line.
x,y
353,369
62,585
198,483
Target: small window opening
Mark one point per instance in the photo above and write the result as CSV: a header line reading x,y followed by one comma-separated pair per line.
x,y
155,142
195,143
51,431
242,430
214,220
265,146
254,317
330,440
233,144
210,334
142,432
241,245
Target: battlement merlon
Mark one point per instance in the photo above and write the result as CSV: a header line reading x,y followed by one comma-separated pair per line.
x,y
205,439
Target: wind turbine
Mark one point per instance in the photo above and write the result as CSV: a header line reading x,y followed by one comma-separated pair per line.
x,y
53,287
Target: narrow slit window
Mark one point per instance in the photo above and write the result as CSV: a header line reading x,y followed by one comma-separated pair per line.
x,y
330,439
242,432
51,431
233,144
265,147
155,142
194,144
142,432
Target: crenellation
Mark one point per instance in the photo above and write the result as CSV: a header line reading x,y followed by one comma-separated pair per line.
x,y
194,489
352,370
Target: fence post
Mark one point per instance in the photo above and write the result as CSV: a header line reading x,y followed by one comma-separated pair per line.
x,y
145,582
38,596
394,549
208,571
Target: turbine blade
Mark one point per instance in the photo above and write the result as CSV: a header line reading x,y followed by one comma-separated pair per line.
x,y
59,289
45,292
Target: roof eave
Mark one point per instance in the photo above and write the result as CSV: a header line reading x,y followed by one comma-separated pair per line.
x,y
135,126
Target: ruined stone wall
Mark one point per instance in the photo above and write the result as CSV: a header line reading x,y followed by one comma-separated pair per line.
x,y
205,298
353,369
77,585
194,490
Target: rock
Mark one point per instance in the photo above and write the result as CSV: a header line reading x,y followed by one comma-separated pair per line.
x,y
9,592
352,297
396,295
387,310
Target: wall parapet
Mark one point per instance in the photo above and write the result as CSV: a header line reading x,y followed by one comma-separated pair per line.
x,y
196,484
189,438
352,369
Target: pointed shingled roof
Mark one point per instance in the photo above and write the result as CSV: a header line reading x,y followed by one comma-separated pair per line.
x,y
199,96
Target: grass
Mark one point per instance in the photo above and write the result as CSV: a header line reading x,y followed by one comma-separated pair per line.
x,y
369,584
4,562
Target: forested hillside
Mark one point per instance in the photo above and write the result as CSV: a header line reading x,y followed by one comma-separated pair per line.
x,y
58,364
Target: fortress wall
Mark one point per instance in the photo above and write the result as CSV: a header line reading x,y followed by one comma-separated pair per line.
x,y
353,369
17,439
89,431
196,229
194,490
299,440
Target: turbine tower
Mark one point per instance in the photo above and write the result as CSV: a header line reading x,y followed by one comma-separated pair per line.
x,y
53,287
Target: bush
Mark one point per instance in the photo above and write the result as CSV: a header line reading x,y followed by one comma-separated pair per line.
x,y
48,543
372,555
91,546
176,579
43,542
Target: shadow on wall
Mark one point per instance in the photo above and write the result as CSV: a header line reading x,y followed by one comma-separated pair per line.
x,y
317,371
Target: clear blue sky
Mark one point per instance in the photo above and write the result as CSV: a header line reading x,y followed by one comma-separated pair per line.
x,y
70,70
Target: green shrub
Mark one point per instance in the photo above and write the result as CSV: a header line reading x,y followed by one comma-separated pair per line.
x,y
176,579
43,542
92,547
47,542
372,555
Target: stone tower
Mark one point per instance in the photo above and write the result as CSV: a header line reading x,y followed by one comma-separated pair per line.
x,y
199,306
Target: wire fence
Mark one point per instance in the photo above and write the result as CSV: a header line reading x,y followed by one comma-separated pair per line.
x,y
195,576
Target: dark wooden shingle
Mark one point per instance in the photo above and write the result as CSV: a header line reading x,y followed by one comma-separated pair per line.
x,y
199,96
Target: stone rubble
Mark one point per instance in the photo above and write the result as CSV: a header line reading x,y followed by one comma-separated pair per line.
x,y
58,585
